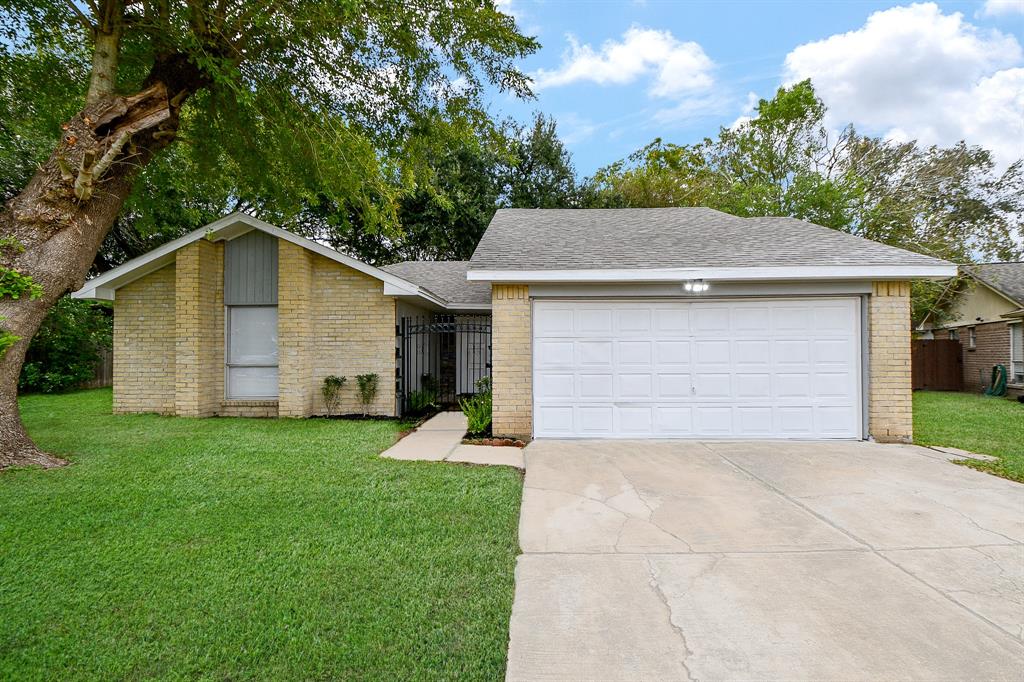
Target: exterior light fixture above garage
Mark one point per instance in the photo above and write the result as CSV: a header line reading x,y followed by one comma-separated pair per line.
x,y
696,286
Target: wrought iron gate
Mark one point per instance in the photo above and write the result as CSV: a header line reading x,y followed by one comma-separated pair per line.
x,y
441,358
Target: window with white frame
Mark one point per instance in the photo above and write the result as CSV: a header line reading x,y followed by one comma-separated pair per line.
x,y
954,334
972,337
251,352
1017,353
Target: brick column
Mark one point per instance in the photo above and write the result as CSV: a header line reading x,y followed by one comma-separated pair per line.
x,y
294,330
199,329
512,360
890,403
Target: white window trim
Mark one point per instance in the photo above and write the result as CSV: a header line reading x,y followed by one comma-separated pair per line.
x,y
1012,378
228,365
972,338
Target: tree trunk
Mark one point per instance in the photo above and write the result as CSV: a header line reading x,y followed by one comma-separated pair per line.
x,y
54,227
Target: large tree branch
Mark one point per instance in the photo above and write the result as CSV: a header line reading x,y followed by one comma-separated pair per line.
x,y
83,19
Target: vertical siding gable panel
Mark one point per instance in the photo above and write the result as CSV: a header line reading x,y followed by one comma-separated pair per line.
x,y
250,270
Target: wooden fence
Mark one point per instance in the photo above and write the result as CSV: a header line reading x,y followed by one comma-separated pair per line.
x,y
104,371
937,365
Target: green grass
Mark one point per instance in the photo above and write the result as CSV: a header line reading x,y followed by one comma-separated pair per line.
x,y
989,426
248,549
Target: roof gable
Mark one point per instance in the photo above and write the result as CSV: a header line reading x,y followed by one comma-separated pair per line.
x,y
227,228
1006,279
669,243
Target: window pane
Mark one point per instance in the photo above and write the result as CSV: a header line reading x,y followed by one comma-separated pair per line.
x,y
253,336
252,382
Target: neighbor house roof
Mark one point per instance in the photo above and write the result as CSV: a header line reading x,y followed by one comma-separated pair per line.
x,y
446,279
1005,278
653,244
229,227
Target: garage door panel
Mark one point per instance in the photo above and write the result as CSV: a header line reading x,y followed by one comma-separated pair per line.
x,y
672,353
674,385
594,321
673,420
772,368
638,386
636,420
596,387
634,321
594,353
633,353
554,354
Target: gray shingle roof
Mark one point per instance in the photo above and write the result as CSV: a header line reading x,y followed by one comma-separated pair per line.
x,y
1006,278
447,279
647,238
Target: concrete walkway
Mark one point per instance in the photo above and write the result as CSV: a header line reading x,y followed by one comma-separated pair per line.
x,y
439,439
660,560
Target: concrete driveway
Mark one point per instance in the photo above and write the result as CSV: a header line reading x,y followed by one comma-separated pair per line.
x,y
683,560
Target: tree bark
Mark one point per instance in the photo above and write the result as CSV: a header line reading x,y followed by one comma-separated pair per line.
x,y
61,217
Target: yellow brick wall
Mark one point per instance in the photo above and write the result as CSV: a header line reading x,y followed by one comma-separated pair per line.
x,y
294,330
890,405
199,329
144,344
512,359
353,332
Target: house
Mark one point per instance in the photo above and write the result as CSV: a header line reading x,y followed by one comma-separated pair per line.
x,y
689,322
241,318
603,323
987,317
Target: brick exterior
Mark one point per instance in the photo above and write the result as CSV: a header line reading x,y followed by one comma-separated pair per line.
x,y
512,359
890,405
199,329
353,332
992,348
169,337
294,330
144,344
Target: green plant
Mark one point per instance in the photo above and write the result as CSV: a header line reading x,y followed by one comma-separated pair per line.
x,y
422,401
14,284
478,408
7,339
367,390
64,352
331,391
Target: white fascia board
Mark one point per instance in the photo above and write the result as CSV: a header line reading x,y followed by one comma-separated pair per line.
x,y
850,272
227,228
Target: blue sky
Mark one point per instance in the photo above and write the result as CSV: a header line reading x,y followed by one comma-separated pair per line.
x,y
616,75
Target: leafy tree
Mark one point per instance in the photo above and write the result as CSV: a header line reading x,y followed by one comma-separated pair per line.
x,y
64,352
464,176
287,98
946,202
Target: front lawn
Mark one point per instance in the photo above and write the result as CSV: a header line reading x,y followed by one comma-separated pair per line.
x,y
990,426
248,549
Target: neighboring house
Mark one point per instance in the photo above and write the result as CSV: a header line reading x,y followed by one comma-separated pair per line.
x,y
640,323
603,326
243,318
987,317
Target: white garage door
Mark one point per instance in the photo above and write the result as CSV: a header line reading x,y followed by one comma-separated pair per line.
x,y
775,368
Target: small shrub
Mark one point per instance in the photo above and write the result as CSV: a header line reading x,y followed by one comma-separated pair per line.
x,y
422,401
367,390
478,409
331,391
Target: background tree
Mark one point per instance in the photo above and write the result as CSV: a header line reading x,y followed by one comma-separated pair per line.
x,y
294,97
948,202
465,175
65,350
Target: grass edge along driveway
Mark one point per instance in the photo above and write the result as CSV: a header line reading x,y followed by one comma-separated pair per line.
x,y
248,549
977,423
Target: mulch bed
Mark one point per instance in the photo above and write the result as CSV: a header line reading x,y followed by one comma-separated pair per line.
x,y
509,442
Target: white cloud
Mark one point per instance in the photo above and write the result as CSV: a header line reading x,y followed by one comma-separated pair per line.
x,y
573,128
676,68
995,8
914,72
